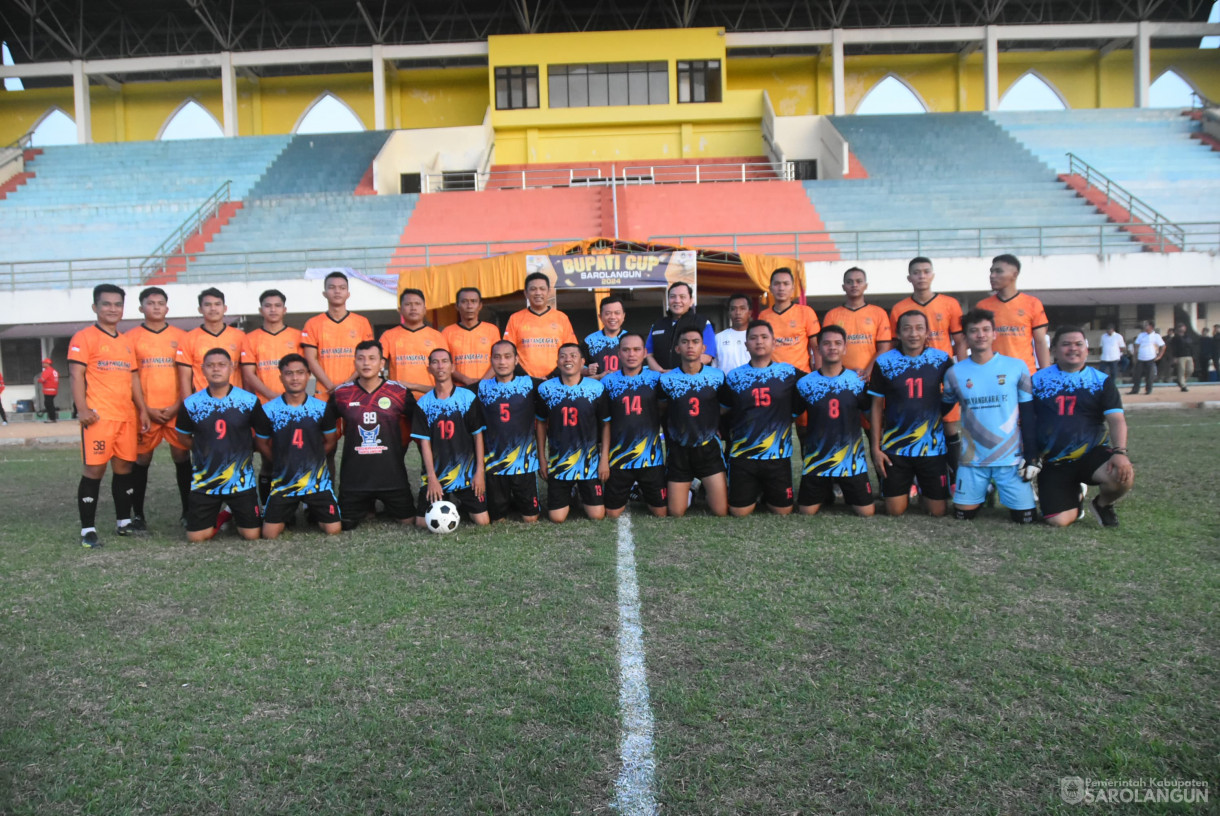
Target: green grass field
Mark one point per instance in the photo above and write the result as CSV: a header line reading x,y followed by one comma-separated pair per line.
x,y
827,665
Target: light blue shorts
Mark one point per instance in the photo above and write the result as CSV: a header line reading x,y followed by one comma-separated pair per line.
x,y
1015,493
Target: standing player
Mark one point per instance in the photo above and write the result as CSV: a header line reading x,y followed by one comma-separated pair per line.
x,y
110,409
693,428
214,333
295,433
538,330
378,413
260,363
663,335
220,422
795,325
449,427
760,397
1020,320
329,339
867,326
601,347
907,439
1082,434
511,441
832,450
470,340
156,343
571,410
637,446
408,346
998,442
731,343
48,378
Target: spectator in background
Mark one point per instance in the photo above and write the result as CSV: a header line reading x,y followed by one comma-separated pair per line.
x,y
663,336
49,380
1216,347
1182,349
1113,347
731,343
1203,354
1149,349
3,416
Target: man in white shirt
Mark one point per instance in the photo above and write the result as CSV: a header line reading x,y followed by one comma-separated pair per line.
x,y
1149,348
731,343
1113,347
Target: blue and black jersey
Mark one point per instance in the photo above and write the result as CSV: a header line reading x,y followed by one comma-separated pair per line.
x,y
693,416
910,387
1071,410
450,426
833,442
298,445
636,440
222,449
573,415
375,424
602,349
761,410
510,446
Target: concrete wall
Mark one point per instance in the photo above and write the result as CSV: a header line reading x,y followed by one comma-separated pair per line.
x,y
429,150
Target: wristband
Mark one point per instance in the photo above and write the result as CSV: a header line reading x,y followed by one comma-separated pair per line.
x,y
1123,451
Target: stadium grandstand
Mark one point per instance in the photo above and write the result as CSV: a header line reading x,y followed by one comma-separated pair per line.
x,y
492,128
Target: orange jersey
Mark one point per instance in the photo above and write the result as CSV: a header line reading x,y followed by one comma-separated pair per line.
x,y
865,327
336,342
1015,321
793,329
407,352
199,341
944,316
471,348
109,362
263,350
157,356
538,338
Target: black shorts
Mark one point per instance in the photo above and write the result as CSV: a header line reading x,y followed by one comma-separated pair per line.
x,y
559,493
1059,485
751,478
281,509
687,464
464,500
650,479
819,490
355,505
932,472
517,492
203,508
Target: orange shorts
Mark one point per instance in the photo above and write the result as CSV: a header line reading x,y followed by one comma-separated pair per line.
x,y
953,416
106,439
161,433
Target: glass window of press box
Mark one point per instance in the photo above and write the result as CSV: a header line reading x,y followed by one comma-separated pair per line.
x,y
516,87
699,81
601,84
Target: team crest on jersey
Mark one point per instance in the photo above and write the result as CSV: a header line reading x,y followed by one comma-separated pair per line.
x,y
370,440
384,403
970,383
173,344
868,321
939,317
1021,312
999,378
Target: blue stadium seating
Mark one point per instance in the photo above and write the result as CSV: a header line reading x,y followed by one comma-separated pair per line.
x,y
961,177
321,163
1149,152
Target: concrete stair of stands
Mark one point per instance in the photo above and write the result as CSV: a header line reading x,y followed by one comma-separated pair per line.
x,y
195,244
321,163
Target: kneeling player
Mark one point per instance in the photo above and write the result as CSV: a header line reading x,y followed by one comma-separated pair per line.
x,y
907,379
637,452
571,411
510,441
693,427
220,421
295,434
832,447
449,428
1082,434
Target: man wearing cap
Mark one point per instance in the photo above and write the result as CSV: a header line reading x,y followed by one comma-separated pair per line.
x,y
49,380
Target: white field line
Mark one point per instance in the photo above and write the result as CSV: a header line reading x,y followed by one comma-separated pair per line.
x,y
634,792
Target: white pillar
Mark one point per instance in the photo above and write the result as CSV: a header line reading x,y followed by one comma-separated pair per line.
x,y
379,95
991,69
836,68
1142,65
228,93
80,95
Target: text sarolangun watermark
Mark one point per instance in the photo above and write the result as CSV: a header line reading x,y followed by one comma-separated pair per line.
x,y
1077,790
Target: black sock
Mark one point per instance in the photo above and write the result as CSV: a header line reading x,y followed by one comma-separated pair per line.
x,y
182,470
139,487
121,490
86,500
953,450
264,487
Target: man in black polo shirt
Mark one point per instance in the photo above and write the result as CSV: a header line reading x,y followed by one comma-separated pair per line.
x,y
663,336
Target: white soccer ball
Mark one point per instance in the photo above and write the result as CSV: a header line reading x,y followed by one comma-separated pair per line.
x,y
442,517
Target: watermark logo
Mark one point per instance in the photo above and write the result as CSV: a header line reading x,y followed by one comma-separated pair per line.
x,y
1071,789
1075,790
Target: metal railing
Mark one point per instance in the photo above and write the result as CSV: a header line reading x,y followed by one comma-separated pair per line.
x,y
706,173
15,150
1164,229
544,177
176,239
526,179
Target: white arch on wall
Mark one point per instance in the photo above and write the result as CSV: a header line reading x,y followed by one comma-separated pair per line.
x,y
1032,75
1171,75
899,84
329,97
49,125
190,104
